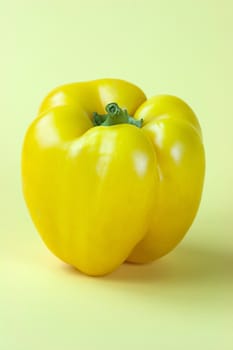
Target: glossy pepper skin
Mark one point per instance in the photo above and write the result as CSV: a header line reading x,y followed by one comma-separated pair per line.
x,y
101,195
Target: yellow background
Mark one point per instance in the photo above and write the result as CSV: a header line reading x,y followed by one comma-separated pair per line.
x,y
183,301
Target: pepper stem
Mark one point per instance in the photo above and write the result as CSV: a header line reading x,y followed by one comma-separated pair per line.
x,y
115,115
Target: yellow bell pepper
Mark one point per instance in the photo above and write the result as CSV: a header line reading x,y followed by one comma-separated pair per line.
x,y
110,176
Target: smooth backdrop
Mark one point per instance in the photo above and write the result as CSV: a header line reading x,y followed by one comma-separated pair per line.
x,y
180,47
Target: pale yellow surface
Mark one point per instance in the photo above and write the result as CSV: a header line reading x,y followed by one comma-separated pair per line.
x,y
184,301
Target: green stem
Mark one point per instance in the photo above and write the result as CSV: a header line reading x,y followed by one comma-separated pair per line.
x,y
115,115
